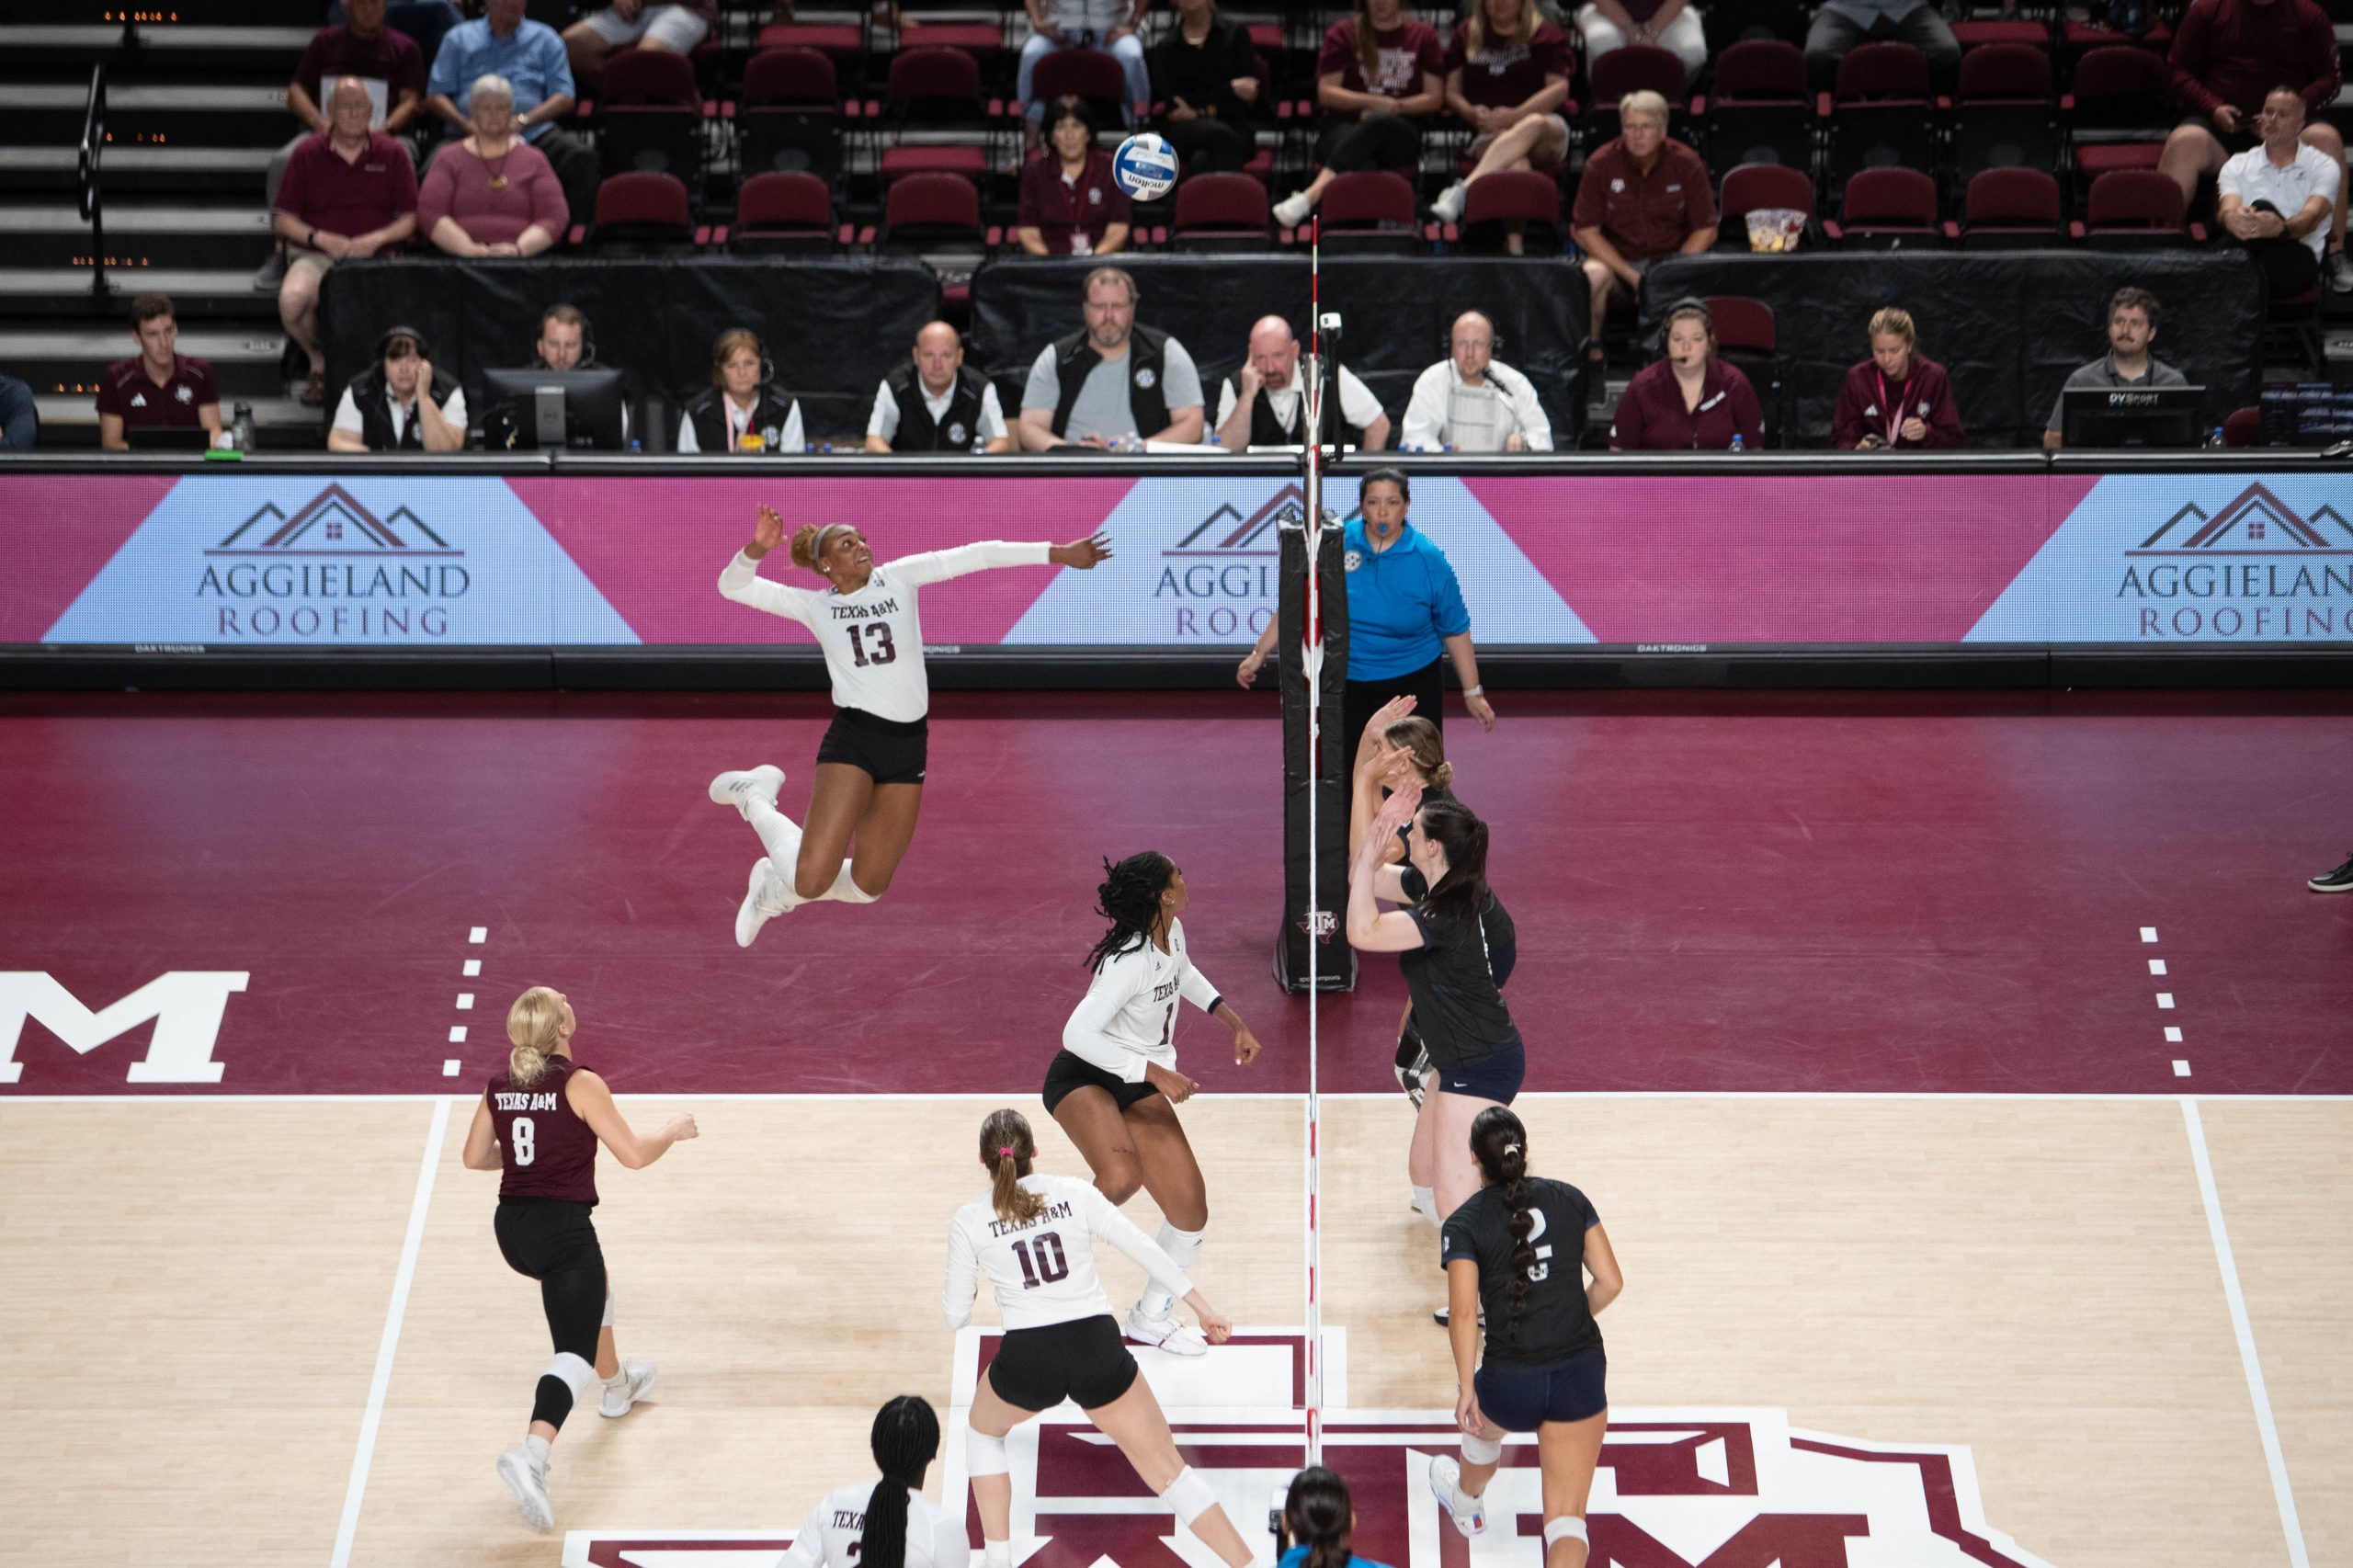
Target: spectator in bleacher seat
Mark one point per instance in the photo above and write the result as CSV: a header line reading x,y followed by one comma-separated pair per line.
x,y
19,416
676,25
530,58
2276,197
1111,383
1106,24
936,403
2131,327
1070,203
1642,197
1507,74
1259,404
1205,70
1472,402
398,404
424,22
158,386
1899,399
348,193
1689,401
493,193
2227,57
742,412
1671,25
387,61
1381,76
1840,24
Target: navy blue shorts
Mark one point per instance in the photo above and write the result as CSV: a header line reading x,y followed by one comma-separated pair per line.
x,y
1522,1401
1495,1077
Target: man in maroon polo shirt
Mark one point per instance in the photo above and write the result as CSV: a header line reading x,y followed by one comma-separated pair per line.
x,y
1642,197
2226,56
158,387
386,59
351,192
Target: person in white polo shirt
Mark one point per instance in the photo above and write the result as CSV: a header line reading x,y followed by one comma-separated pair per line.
x,y
2276,197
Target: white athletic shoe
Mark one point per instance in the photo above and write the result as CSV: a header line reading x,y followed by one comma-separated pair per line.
x,y
1177,1338
1293,209
1469,1513
529,1482
755,911
736,785
1449,205
637,1381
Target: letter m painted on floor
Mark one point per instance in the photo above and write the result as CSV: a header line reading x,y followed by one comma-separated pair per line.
x,y
1791,1540
186,1005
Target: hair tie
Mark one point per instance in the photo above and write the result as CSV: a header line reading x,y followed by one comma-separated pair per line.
x,y
1511,1148
1005,1150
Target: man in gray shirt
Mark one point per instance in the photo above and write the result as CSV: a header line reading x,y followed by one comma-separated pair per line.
x,y
1112,380
2131,327
1840,24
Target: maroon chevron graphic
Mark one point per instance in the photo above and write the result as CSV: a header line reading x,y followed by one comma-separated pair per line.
x,y
2256,522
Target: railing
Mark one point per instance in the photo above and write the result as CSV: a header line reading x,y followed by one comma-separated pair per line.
x,y
88,167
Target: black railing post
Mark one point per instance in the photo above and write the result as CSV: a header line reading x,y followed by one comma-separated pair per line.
x,y
89,166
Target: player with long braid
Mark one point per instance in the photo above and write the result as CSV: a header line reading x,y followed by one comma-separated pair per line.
x,y
1114,1085
890,1524
1521,1247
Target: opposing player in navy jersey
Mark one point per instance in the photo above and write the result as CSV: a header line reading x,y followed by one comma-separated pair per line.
x,y
870,764
539,1122
890,1524
1114,1085
1521,1247
1033,1236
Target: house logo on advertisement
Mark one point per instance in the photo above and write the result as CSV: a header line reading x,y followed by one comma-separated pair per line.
x,y
334,571
1221,576
2257,569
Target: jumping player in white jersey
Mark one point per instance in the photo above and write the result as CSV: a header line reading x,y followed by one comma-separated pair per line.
x,y
890,1524
870,764
1114,1085
1034,1237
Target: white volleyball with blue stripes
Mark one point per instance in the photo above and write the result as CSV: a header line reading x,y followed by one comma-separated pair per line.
x,y
1145,166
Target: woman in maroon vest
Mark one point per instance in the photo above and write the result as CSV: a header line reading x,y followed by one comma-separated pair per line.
x,y
539,1121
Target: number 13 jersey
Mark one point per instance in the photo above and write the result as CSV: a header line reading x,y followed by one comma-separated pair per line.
x,y
1043,1269
873,637
546,1149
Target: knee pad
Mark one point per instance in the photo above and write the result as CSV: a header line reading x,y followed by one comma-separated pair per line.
x,y
1482,1451
560,1387
984,1455
1188,1496
1568,1527
606,1321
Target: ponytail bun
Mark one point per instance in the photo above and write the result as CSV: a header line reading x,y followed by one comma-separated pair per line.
x,y
804,547
1442,777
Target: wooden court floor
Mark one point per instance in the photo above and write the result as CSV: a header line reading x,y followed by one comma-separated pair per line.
x,y
195,1295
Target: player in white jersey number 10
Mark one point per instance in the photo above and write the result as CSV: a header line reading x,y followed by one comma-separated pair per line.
x,y
870,764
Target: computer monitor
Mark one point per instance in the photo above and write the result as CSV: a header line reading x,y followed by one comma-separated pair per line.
x,y
2131,416
591,401
167,437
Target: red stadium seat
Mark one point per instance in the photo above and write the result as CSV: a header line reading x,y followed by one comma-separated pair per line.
x,y
650,114
643,215
936,120
1974,35
2004,116
2244,427
1756,187
934,211
1760,109
2136,208
1512,200
785,214
1883,111
2119,111
1887,209
1088,74
1631,69
842,42
1749,338
2011,209
788,118
1371,210
1222,213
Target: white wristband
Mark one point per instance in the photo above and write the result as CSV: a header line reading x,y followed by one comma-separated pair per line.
x,y
1472,690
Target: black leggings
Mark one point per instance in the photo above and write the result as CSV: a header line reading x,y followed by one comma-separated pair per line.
x,y
1376,141
555,1243
1205,146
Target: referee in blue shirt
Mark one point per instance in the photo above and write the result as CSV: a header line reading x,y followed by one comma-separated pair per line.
x,y
1406,618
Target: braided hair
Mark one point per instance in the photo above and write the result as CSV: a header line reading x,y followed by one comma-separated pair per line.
x,y
1499,1143
1006,1149
1456,828
905,1439
1318,1516
1129,898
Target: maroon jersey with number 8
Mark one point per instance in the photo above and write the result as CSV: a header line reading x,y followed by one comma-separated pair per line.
x,y
548,1151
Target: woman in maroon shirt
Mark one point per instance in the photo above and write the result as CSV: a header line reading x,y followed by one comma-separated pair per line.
x,y
1896,399
1690,401
540,1122
493,193
1379,76
1070,203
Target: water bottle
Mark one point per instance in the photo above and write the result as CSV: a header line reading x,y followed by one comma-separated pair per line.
x,y
1737,445
2215,440
241,422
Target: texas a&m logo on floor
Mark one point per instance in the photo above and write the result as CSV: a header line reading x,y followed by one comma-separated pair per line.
x,y
1676,1488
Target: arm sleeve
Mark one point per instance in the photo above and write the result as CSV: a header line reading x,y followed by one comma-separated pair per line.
x,y
2320,44
550,211
1041,390
1698,203
21,419
1196,988
884,421
1847,416
2230,179
1120,1231
809,1547
1589,210
443,78
1086,1035
938,565
437,196
963,1278
1626,429
793,438
686,442
1425,410
2188,58
1181,380
1534,423
1454,1240
1357,405
1944,416
742,583
1747,413
291,187
1448,614
991,414
405,178
557,65
1225,398
454,410
347,414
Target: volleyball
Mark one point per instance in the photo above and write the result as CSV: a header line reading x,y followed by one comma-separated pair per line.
x,y
1145,166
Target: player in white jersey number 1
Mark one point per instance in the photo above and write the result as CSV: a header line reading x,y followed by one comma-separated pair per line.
x,y
1114,1085
1034,1236
870,764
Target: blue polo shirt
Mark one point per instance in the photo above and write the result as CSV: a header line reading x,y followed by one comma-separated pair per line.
x,y
1401,600
532,57
1297,1555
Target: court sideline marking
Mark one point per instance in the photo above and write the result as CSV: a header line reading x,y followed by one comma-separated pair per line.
x,y
393,1312
2281,1492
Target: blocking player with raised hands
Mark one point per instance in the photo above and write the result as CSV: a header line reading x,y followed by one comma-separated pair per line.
x,y
870,764
890,1524
540,1123
1033,1237
1114,1085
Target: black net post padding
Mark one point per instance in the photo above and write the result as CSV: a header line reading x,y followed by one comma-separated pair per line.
x,y
1303,771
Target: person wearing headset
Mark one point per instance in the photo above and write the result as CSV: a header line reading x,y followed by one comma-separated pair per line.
x,y
1472,402
397,404
567,342
741,412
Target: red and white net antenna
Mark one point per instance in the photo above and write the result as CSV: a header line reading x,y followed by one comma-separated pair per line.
x,y
1311,428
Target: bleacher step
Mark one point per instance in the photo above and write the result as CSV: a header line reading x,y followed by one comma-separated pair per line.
x,y
138,235
214,293
60,361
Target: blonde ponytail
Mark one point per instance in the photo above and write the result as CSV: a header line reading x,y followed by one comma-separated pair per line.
x,y
535,1026
1007,1149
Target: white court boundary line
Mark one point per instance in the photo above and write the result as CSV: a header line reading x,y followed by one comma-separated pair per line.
x,y
2280,1491
393,1312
